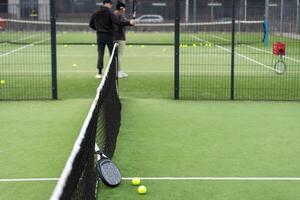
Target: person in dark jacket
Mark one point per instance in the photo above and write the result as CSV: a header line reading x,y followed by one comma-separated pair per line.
x,y
102,22
120,36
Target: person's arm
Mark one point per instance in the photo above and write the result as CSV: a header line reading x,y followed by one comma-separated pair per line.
x,y
92,23
125,21
120,22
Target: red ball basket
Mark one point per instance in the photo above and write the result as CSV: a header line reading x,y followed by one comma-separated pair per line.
x,y
2,24
279,48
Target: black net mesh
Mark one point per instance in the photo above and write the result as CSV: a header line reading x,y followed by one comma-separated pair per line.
x,y
79,179
222,59
25,52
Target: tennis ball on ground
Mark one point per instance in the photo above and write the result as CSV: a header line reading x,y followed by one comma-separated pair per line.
x,y
194,45
142,189
164,49
65,45
74,65
142,46
130,46
136,181
2,82
93,45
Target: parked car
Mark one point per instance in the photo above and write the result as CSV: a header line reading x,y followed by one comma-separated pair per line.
x,y
150,19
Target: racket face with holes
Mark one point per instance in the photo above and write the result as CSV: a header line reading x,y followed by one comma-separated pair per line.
x,y
108,172
280,67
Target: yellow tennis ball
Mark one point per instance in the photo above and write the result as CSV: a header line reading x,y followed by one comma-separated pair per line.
x,y
164,49
93,45
136,181
2,82
142,189
142,46
130,46
65,45
74,65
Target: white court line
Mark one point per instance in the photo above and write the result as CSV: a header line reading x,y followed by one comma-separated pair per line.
x,y
78,71
172,179
28,179
21,48
258,49
217,178
147,56
262,50
130,72
242,56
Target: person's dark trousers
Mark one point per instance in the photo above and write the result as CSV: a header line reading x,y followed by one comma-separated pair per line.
x,y
104,39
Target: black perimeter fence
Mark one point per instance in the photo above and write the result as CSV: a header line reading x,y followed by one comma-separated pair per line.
x,y
79,179
220,49
27,51
229,54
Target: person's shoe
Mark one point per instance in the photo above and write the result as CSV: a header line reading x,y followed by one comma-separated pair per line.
x,y
120,74
124,74
98,76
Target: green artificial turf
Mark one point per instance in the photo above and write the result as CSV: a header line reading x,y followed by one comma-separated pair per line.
x,y
158,136
36,140
165,138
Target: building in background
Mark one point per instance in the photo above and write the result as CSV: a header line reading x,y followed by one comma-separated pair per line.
x,y
25,9
191,10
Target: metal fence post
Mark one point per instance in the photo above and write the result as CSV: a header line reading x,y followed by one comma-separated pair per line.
x,y
53,49
176,47
298,17
232,52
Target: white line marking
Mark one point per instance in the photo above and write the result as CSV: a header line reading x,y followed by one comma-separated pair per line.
x,y
28,179
77,71
262,50
242,56
258,49
173,179
147,56
217,178
21,48
186,73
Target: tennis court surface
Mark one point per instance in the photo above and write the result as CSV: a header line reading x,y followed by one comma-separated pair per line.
x,y
198,147
233,133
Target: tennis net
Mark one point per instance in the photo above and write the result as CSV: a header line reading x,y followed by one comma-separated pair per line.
x,y
163,33
220,33
79,179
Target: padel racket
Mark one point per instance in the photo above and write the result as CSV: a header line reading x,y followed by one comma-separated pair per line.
x,y
107,170
134,9
279,66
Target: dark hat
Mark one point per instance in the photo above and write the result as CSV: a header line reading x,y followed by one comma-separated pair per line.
x,y
107,1
120,5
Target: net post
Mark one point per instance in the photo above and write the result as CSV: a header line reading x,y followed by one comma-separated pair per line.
x,y
176,47
116,63
232,52
266,24
281,18
298,17
53,49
